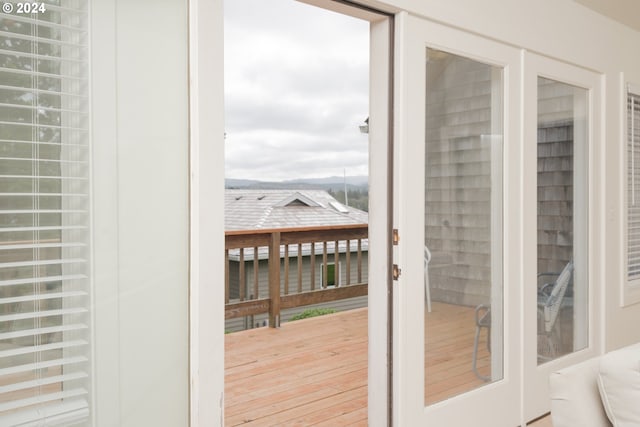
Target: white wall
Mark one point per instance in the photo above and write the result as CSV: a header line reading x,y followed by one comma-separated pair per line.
x,y
141,212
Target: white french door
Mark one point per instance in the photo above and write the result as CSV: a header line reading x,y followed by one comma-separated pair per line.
x,y
456,186
562,198
496,204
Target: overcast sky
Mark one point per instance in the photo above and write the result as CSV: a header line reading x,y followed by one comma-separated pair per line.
x,y
296,90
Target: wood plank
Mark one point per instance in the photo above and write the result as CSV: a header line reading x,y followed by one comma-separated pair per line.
x,y
325,295
246,308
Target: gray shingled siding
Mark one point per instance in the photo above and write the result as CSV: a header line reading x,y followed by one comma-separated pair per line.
x,y
555,175
263,284
458,180
555,196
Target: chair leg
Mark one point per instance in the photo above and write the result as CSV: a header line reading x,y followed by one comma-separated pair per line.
x,y
476,343
427,289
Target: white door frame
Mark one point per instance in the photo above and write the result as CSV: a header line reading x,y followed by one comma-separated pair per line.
x,y
206,48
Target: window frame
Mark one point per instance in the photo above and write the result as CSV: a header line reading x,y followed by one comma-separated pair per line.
x,y
630,290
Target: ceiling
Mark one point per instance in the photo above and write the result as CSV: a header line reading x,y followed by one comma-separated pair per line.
x,y
624,11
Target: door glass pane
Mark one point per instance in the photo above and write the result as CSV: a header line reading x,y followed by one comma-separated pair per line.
x,y
562,219
463,225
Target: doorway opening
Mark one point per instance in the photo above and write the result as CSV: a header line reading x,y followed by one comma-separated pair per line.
x,y
296,214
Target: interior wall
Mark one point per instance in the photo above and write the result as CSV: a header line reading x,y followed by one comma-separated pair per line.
x,y
141,212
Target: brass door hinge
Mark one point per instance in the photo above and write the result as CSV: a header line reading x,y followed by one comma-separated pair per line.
x,y
396,237
396,272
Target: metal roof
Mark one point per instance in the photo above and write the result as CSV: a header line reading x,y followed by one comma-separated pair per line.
x,y
265,209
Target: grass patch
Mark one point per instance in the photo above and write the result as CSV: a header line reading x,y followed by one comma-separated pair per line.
x,y
313,312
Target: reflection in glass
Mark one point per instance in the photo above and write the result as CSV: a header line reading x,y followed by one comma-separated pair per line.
x,y
463,225
562,219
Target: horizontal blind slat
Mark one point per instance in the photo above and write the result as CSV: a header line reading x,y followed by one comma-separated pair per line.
x,y
42,398
44,126
41,331
41,91
43,74
37,262
37,108
70,29
41,246
46,143
42,313
44,228
17,54
44,195
39,348
59,414
41,279
42,297
40,40
42,382
40,211
42,365
40,160
62,178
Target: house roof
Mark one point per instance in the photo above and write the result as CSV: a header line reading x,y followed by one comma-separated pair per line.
x,y
265,209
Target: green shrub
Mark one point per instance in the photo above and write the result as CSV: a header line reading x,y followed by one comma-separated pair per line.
x,y
313,312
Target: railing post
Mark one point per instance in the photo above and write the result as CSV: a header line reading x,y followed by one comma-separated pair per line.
x,y
274,280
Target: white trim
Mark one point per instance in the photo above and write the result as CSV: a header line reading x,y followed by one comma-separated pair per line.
x,y
206,216
378,262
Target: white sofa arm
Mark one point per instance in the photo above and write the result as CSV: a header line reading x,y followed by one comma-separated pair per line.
x,y
575,400
619,383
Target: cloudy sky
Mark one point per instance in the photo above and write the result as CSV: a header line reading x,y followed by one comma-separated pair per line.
x,y
296,90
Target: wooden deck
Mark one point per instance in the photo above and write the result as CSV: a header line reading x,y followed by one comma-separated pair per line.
x,y
314,371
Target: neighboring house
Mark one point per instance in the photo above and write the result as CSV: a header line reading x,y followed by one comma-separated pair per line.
x,y
280,209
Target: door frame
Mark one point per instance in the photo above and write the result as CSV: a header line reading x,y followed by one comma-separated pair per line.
x,y
206,116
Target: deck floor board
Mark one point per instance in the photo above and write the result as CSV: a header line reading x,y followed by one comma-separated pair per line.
x,y
313,372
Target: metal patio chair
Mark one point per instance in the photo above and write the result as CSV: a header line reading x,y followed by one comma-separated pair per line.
x,y
551,296
427,290
550,299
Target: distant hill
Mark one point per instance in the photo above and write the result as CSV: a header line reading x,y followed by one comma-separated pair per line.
x,y
333,183
357,187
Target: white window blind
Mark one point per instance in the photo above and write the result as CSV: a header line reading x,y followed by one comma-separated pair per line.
x,y
44,216
633,184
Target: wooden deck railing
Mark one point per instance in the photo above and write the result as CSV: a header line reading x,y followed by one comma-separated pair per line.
x,y
293,277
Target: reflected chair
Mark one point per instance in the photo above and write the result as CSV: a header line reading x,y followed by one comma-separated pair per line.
x,y
483,320
550,299
551,296
427,290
